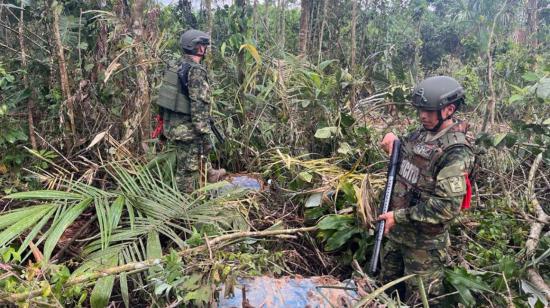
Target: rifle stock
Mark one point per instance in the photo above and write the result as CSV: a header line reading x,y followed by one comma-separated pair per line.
x,y
384,206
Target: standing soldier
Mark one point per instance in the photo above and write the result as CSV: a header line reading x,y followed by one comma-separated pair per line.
x,y
184,105
431,187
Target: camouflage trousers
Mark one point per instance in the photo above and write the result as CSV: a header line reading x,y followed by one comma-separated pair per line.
x,y
187,165
399,260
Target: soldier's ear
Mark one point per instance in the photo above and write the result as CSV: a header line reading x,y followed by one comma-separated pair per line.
x,y
450,109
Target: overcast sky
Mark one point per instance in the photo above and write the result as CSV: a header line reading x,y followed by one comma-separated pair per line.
x,y
196,3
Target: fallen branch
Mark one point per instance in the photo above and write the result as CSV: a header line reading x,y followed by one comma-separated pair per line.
x,y
538,282
136,267
538,224
541,218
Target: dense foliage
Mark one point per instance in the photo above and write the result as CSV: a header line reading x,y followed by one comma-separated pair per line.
x,y
303,91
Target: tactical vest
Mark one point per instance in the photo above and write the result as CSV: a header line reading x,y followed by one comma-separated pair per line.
x,y
173,93
416,178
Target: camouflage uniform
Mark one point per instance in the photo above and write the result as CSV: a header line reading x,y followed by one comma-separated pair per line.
x,y
187,133
430,187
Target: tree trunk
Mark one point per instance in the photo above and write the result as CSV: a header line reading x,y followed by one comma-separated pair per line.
x,y
30,101
489,119
353,50
241,6
321,31
63,74
255,17
532,22
282,22
142,108
304,27
210,22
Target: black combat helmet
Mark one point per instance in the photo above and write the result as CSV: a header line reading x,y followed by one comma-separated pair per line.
x,y
191,38
434,93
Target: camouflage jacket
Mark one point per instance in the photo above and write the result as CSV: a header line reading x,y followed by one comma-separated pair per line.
x,y
430,186
186,127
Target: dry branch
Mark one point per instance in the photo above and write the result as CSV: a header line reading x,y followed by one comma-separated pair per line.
x,y
538,224
136,267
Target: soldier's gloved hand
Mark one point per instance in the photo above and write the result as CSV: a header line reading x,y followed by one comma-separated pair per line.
x,y
390,221
387,142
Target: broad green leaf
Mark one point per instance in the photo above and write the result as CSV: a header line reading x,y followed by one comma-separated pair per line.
x,y
45,195
345,148
546,122
64,221
314,200
465,282
514,98
543,88
339,238
326,132
335,221
316,79
326,63
530,76
306,176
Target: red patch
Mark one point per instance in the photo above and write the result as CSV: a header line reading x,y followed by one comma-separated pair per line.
x,y
468,197
159,128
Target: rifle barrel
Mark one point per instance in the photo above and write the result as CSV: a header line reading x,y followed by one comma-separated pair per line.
x,y
385,204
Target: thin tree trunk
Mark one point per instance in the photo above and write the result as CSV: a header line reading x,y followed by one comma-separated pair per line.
x,y
142,102
353,50
532,22
63,74
321,31
282,22
241,6
255,18
489,119
208,4
304,27
30,100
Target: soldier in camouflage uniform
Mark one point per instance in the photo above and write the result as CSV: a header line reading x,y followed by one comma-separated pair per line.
x,y
432,186
184,102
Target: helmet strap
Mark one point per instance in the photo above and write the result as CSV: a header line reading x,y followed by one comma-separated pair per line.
x,y
440,121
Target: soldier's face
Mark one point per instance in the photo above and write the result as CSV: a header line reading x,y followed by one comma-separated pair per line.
x,y
429,118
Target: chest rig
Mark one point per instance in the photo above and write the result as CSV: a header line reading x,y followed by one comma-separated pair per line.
x,y
173,93
420,154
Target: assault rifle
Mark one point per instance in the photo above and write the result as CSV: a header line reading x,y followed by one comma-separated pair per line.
x,y
386,198
215,130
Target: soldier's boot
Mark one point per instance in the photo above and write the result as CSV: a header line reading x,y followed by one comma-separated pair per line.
x,y
215,175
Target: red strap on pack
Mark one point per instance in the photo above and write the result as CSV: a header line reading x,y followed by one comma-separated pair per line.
x,y
468,196
159,128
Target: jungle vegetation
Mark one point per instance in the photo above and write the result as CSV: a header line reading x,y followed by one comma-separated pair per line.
x,y
303,91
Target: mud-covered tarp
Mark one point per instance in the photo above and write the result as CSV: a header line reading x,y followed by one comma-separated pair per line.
x,y
312,292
